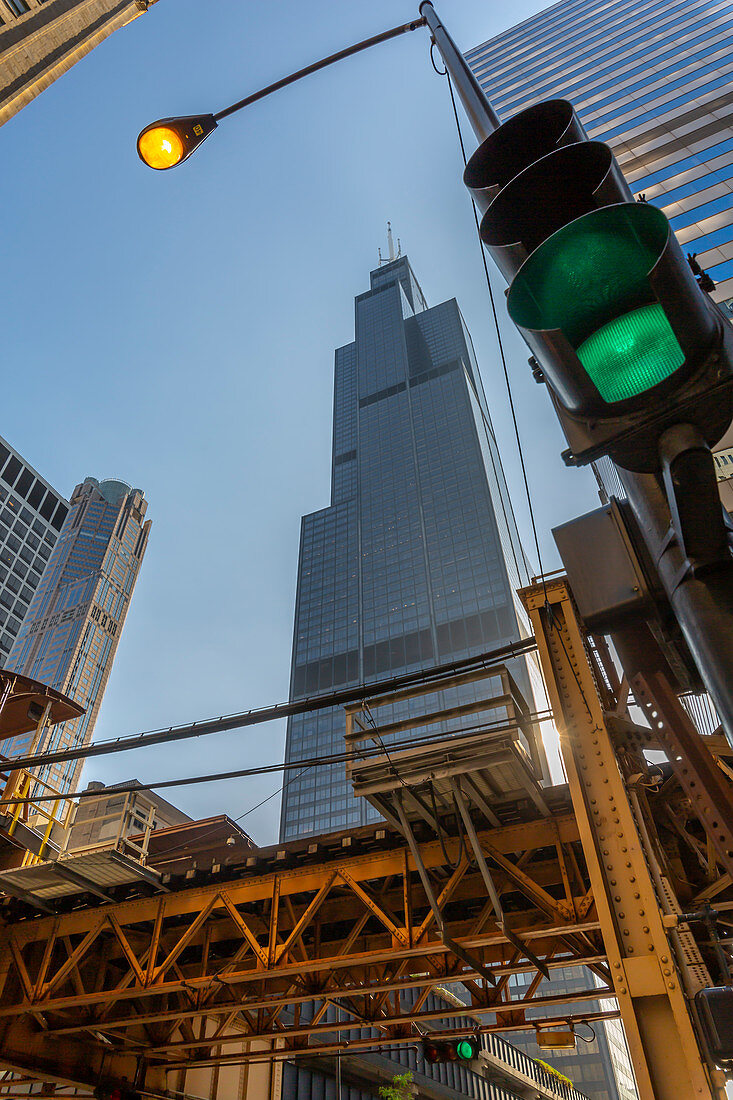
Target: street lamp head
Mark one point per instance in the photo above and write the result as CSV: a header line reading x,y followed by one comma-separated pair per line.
x,y
169,141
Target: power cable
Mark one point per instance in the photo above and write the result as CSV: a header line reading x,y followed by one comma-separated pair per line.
x,y
548,607
266,769
342,697
500,342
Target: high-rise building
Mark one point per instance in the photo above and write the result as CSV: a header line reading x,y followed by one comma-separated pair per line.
x,y
32,513
652,79
69,637
417,559
41,39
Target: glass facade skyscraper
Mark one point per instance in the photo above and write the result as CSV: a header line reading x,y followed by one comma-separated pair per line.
x,y
652,79
32,513
417,559
69,637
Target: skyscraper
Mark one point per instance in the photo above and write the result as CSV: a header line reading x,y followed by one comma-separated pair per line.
x,y
41,39
69,637
651,79
417,559
32,513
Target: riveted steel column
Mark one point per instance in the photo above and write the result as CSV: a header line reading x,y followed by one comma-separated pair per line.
x,y
662,1043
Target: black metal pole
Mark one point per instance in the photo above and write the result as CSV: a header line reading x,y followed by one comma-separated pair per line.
x,y
702,602
481,114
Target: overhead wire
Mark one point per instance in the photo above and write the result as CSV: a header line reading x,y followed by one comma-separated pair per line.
x,y
520,450
242,773
341,697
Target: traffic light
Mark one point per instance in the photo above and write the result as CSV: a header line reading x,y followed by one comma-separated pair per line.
x,y
626,340
465,1049
169,141
115,1090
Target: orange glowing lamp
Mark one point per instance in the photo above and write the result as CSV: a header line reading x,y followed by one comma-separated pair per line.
x,y
169,141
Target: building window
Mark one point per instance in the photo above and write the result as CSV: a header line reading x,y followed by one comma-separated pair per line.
x,y
17,7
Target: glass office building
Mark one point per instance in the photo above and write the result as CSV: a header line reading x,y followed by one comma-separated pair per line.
x,y
599,1065
652,79
32,513
70,634
417,559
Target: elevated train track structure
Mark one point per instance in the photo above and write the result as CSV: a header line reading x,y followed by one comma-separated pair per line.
x,y
338,944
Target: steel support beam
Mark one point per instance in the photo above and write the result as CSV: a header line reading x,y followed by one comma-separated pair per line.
x,y
664,1050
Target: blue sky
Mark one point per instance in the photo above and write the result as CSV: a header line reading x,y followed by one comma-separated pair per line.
x,y
177,329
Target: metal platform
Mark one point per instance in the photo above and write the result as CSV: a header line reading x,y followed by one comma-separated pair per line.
x,y
93,872
496,765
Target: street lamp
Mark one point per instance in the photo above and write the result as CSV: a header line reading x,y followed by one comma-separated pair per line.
x,y
170,141
167,142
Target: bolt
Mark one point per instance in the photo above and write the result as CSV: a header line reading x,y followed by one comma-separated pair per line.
x,y
664,959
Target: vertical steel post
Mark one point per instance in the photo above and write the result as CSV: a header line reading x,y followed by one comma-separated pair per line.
x,y
702,601
664,1051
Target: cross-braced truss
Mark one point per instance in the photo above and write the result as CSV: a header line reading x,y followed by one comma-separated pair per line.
x,y
275,956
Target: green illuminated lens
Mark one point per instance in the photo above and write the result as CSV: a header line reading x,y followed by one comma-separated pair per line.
x,y
631,354
464,1051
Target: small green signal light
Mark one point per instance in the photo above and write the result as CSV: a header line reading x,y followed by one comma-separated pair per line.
x,y
631,354
465,1050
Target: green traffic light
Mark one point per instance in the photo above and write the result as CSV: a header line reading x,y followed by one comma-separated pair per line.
x,y
631,353
590,280
465,1050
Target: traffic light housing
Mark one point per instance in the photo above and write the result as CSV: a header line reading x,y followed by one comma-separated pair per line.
x,y
115,1090
627,342
466,1049
169,141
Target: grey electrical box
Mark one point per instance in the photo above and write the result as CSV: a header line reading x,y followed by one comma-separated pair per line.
x,y
604,570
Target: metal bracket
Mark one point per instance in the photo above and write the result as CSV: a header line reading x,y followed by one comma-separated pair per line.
x,y
462,954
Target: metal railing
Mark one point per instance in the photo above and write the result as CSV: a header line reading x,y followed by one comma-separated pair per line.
x,y
522,1062
42,817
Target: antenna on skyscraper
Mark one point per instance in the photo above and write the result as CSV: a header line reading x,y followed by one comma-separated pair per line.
x,y
390,248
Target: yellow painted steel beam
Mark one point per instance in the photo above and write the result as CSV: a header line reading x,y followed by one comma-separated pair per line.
x,y
665,1054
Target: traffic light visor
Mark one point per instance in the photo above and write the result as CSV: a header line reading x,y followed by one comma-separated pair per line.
x,y
169,141
591,281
